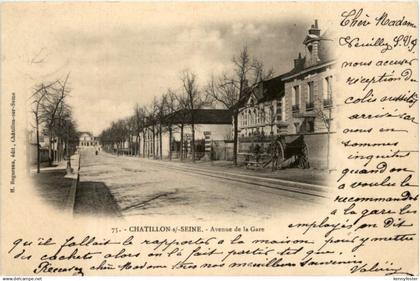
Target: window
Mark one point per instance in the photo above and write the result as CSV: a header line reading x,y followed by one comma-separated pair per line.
x,y
257,116
295,98
327,91
271,114
310,96
281,109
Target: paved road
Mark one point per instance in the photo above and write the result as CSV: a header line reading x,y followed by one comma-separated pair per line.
x,y
128,186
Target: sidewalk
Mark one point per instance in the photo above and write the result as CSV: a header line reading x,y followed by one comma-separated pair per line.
x,y
92,197
74,160
54,185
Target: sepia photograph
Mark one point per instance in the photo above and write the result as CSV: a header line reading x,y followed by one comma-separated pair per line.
x,y
209,139
232,118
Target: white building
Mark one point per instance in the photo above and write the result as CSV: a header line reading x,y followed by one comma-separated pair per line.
x,y
88,139
210,124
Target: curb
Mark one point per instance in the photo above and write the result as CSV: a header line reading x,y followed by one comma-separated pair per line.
x,y
71,199
72,195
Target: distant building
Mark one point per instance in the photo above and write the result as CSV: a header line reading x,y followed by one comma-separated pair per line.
x,y
43,145
87,139
210,125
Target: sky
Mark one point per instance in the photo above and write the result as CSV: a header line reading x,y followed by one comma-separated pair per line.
x,y
122,54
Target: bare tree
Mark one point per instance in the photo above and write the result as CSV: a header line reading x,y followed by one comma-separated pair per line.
x,y
63,116
160,113
50,110
271,116
139,117
171,108
65,130
325,113
131,127
151,121
191,101
182,118
229,90
38,102
122,134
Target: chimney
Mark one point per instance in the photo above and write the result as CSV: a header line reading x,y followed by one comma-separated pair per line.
x,y
312,45
298,60
314,30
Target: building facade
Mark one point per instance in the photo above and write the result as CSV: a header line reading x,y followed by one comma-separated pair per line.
x,y
210,125
296,102
310,86
262,112
88,139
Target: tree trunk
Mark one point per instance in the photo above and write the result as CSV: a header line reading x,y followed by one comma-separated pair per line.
x,y
235,137
153,142
38,149
62,150
160,141
59,150
50,148
138,145
170,142
181,149
144,144
149,143
193,140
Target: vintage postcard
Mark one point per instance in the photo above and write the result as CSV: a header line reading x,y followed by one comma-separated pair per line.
x,y
209,138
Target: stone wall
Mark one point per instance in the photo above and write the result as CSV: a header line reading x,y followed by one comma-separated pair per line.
x,y
222,150
33,154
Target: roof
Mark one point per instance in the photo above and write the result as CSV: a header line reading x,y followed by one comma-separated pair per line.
x,y
273,88
325,49
86,133
325,55
202,116
266,90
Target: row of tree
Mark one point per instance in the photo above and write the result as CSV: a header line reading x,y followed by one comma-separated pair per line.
x,y
53,117
178,108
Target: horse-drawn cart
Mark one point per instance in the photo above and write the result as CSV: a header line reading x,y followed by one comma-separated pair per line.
x,y
278,153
